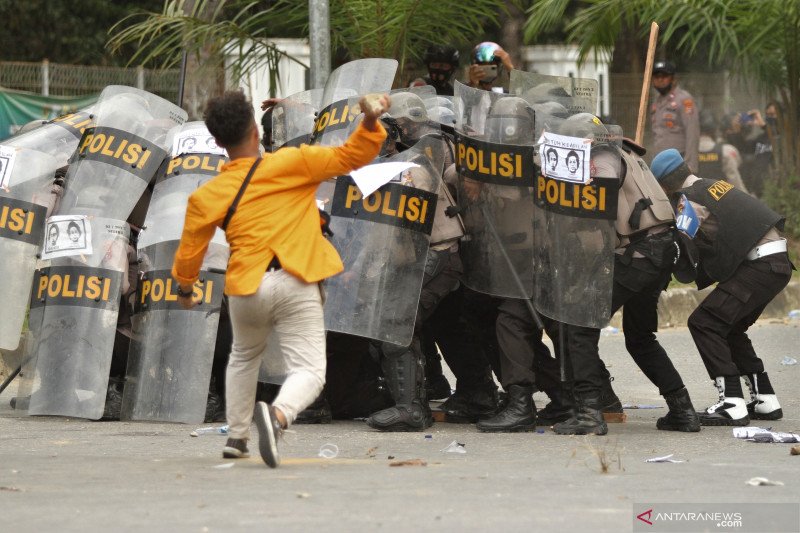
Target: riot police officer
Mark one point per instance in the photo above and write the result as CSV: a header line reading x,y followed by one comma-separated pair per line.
x,y
642,267
741,249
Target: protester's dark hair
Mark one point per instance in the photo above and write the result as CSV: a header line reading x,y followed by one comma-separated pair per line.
x,y
573,153
229,118
75,225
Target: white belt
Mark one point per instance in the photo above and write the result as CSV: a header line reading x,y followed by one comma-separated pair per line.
x,y
774,247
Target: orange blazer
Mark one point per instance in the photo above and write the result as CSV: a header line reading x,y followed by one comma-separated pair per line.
x,y
277,215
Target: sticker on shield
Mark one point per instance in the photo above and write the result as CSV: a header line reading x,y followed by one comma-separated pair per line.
x,y
565,158
196,141
7,155
67,235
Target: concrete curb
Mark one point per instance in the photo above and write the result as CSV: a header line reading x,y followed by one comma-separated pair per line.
x,y
675,305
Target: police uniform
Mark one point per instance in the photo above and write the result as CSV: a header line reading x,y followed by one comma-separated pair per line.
x,y
739,247
675,124
404,366
642,268
720,161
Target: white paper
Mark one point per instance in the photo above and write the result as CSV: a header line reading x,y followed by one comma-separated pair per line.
x,y
755,433
665,459
565,158
196,141
372,177
67,235
7,156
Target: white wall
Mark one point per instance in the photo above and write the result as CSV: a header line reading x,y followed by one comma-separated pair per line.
x,y
562,60
292,75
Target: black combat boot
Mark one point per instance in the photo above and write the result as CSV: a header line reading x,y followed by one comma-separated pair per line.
x,y
609,402
588,417
113,405
560,408
681,415
319,412
519,414
405,375
467,407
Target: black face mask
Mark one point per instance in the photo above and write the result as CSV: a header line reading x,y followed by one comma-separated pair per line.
x,y
664,90
439,76
771,121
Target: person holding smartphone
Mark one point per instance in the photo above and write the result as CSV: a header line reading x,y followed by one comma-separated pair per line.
x,y
489,63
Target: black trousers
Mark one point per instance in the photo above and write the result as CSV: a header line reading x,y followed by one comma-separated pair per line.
x,y
524,358
719,324
636,290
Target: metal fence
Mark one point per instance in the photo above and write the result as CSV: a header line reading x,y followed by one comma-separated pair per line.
x,y
55,79
719,92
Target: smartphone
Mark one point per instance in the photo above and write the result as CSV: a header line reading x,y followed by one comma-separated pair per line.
x,y
489,72
745,118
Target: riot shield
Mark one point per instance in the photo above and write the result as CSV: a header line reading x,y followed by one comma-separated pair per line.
x,y
383,240
110,170
495,163
293,118
344,88
74,305
172,349
577,95
28,163
117,158
576,201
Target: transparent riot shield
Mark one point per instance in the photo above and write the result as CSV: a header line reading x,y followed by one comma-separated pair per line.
x,y
74,305
172,349
117,158
383,240
293,118
577,95
344,88
495,163
28,163
574,223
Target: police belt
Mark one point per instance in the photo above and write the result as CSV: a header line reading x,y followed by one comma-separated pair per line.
x,y
774,247
274,265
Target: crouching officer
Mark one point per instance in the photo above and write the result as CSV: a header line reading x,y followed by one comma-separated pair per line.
x,y
740,248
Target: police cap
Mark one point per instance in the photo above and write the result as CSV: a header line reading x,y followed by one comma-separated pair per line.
x,y
664,67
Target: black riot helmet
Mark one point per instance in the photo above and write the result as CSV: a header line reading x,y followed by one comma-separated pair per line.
x,y
437,53
441,62
510,121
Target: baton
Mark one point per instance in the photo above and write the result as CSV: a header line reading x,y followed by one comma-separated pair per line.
x,y
10,378
518,282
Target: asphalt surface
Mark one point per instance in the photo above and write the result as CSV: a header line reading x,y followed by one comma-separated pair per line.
x,y
59,474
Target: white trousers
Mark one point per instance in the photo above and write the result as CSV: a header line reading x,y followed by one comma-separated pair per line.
x,y
293,310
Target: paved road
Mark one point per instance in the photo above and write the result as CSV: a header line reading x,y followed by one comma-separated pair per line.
x,y
74,475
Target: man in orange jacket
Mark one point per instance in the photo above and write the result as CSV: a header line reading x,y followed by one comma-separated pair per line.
x,y
278,257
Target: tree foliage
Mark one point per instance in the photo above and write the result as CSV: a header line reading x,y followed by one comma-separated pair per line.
x,y
399,29
759,39
63,32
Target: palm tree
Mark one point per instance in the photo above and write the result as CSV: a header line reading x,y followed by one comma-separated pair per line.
x,y
761,38
399,29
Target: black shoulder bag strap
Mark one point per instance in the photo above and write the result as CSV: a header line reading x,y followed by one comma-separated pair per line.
x,y
235,204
